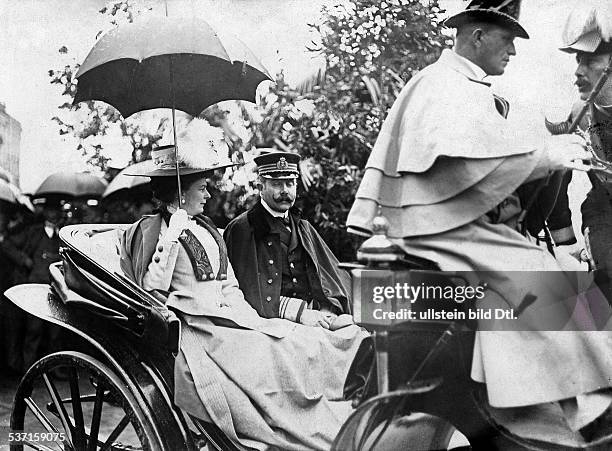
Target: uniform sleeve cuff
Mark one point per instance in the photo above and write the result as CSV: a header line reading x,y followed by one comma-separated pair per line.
x,y
291,308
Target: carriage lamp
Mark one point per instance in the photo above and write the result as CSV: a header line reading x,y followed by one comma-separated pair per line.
x,y
378,269
385,296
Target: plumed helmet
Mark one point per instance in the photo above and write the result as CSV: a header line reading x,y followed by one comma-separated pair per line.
x,y
589,28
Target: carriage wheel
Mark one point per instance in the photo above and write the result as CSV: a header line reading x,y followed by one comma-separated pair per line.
x,y
71,401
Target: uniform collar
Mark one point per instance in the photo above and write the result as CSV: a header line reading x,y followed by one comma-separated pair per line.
x,y
464,66
275,214
259,223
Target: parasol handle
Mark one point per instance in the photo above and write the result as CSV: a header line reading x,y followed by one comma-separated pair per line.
x,y
176,160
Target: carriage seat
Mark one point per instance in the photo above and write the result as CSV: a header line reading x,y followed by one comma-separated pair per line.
x,y
91,270
99,242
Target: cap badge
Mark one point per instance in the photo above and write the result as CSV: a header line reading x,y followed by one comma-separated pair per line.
x,y
282,163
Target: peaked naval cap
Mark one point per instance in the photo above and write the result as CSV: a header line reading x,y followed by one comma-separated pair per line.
x,y
501,12
278,165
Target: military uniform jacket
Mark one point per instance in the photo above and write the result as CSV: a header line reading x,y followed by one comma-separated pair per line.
x,y
254,251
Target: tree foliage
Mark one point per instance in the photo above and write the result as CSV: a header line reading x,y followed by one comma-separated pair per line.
x,y
371,48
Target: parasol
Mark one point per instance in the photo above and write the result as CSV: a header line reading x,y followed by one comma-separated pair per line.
x,y
13,195
126,182
73,184
160,62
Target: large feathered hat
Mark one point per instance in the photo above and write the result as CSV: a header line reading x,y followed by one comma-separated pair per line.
x,y
202,148
589,27
500,12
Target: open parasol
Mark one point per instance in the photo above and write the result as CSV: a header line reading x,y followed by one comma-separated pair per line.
x,y
13,195
160,62
72,184
123,182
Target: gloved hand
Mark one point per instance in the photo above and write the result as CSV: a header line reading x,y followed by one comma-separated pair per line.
x,y
572,257
317,318
567,152
341,321
179,221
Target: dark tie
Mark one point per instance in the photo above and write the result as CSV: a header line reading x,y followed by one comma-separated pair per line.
x,y
285,220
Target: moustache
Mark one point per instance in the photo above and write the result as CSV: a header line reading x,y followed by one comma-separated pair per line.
x,y
283,199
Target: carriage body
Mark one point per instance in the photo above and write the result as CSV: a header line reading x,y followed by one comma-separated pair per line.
x,y
123,367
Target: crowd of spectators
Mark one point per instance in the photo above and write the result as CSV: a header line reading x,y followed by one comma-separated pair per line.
x,y
29,243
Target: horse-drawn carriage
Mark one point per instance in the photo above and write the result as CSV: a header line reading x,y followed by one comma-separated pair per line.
x,y
116,390
119,390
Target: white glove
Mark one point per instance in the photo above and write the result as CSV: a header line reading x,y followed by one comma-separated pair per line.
x,y
316,318
567,152
179,221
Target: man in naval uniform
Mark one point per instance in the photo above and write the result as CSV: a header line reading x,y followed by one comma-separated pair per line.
x,y
444,172
283,266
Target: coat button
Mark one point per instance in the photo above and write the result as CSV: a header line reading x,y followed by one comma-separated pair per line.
x,y
270,281
156,259
271,262
269,243
294,280
211,276
269,298
291,265
160,248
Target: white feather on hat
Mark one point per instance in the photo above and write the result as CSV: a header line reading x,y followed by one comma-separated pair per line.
x,y
588,16
200,145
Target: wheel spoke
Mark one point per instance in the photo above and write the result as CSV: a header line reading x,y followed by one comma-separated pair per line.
x,y
95,421
77,410
76,415
37,446
61,410
42,418
116,432
84,398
